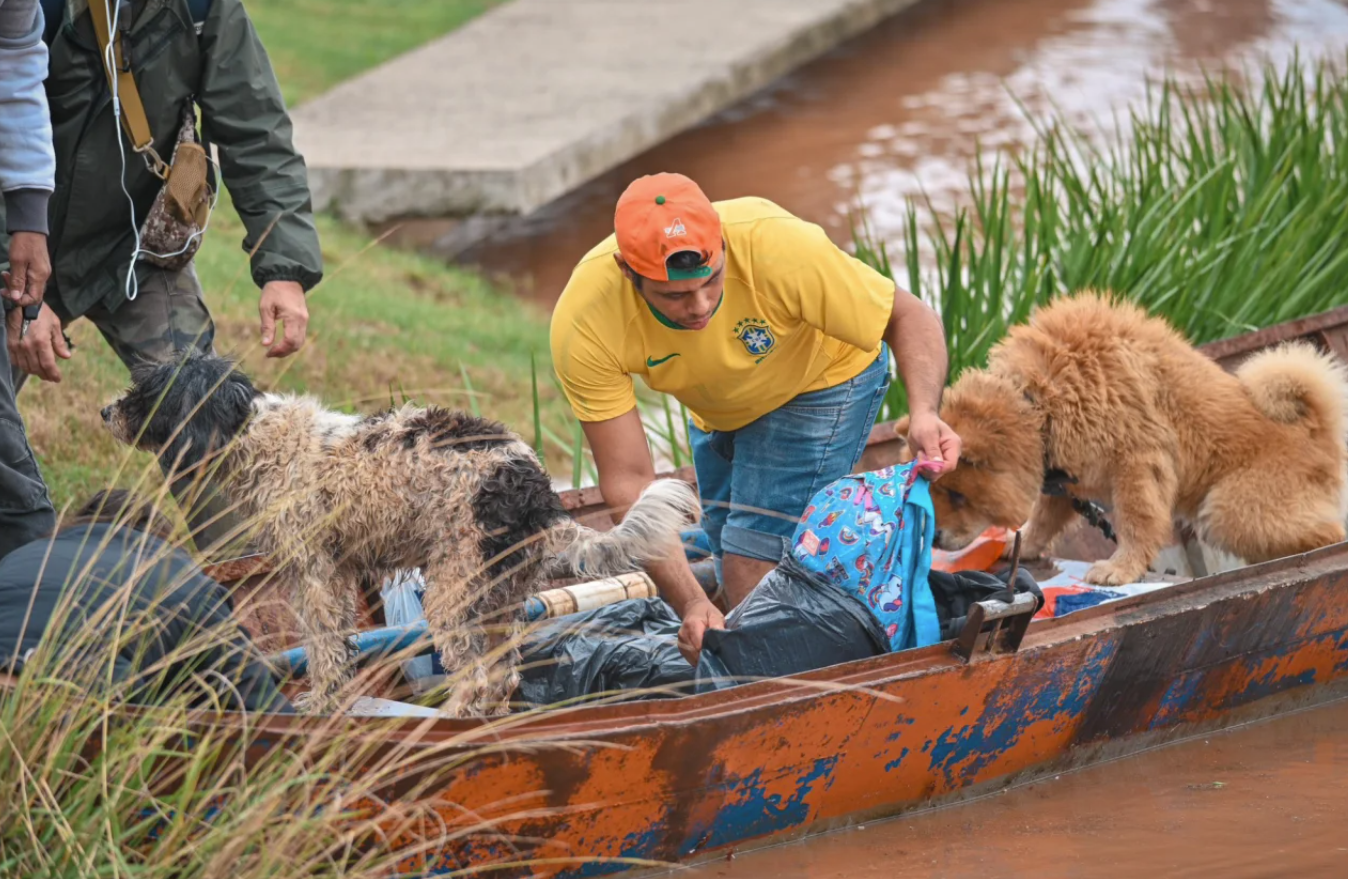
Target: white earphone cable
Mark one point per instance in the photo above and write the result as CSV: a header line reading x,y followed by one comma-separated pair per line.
x,y
132,285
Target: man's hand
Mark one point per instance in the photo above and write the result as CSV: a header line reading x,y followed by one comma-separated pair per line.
x,y
698,617
29,268
931,439
37,351
283,302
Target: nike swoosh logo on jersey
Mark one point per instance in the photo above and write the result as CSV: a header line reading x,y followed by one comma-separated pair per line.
x,y
651,362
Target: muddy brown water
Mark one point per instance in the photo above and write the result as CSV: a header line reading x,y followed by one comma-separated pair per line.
x,y
1266,800
888,116
904,108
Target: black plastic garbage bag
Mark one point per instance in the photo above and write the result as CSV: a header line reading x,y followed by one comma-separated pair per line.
x,y
791,623
631,645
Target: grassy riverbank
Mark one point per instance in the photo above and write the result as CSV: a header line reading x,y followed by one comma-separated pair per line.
x,y
315,44
1220,208
384,324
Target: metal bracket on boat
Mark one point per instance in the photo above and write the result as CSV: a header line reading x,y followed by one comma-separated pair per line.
x,y
1009,620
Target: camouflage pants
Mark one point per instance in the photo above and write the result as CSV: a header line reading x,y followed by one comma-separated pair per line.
x,y
168,316
26,512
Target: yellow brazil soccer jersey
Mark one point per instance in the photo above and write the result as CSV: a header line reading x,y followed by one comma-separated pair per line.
x,y
798,314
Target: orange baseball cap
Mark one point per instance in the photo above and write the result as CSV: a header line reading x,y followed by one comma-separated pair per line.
x,y
660,215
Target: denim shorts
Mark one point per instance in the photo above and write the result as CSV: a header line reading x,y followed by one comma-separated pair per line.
x,y
756,481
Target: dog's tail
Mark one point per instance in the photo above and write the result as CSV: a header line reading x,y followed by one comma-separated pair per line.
x,y
649,532
1296,384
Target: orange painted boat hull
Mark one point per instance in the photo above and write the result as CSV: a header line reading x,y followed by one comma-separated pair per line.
x,y
595,789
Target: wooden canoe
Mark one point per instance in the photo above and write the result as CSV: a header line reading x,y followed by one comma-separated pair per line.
x,y
595,790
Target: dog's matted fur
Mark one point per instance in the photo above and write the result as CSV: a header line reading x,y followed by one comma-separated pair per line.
x,y
336,496
1149,425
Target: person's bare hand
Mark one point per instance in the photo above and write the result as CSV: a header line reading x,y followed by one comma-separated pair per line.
x,y
698,617
29,268
283,302
931,439
37,351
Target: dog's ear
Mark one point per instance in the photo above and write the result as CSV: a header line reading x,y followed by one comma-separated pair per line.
x,y
901,434
994,423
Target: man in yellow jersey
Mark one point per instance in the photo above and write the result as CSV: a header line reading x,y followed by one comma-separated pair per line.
x,y
773,337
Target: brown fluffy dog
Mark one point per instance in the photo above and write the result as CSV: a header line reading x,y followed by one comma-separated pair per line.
x,y
1151,427
336,497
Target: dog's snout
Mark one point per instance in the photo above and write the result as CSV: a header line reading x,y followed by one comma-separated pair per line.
x,y
107,412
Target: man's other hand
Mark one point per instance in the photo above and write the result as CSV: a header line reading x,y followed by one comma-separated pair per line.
x,y
931,439
29,268
698,617
37,351
283,302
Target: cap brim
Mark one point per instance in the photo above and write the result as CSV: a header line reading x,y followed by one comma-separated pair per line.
x,y
689,274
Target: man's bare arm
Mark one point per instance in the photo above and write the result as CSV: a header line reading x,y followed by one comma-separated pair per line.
x,y
625,469
917,338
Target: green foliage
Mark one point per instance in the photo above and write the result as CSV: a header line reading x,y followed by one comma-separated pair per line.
x,y
315,44
1219,207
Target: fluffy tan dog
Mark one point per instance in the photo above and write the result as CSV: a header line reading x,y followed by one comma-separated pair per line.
x,y
1154,429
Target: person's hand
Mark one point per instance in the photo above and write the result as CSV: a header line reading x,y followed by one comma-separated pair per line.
x,y
283,302
932,440
29,268
698,617
37,351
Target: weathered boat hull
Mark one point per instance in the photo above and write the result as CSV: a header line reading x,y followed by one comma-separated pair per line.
x,y
693,778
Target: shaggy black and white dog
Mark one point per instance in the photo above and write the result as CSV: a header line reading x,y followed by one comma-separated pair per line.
x,y
334,496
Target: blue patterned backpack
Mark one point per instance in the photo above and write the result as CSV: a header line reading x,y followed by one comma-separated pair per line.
x,y
870,534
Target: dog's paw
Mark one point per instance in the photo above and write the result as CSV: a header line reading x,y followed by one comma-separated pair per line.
x,y
1112,573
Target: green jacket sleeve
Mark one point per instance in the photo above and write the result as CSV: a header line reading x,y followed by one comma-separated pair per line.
x,y
244,115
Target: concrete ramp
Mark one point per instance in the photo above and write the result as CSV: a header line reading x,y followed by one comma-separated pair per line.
x,y
536,97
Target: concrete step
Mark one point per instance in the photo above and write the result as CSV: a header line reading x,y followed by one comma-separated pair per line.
x,y
536,97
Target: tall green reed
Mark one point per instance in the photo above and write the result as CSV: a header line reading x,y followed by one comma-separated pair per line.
x,y
1220,206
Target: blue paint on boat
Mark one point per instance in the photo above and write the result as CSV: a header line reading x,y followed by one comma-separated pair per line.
x,y
893,764
755,812
1018,703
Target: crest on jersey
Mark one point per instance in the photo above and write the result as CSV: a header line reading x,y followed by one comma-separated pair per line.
x,y
756,336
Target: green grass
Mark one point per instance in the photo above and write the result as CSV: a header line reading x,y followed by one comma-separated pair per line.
x,y
315,44
385,326
1220,208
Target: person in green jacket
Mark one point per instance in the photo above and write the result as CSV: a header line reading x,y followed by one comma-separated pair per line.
x,y
219,64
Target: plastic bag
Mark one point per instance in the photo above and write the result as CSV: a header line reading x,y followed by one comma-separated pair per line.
x,y
401,595
790,624
630,646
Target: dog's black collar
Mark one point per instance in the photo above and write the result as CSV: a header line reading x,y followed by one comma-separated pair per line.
x,y
1056,481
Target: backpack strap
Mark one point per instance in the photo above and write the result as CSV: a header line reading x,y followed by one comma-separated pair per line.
x,y
123,82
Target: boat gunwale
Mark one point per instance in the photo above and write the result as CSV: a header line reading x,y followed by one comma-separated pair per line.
x,y
554,724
